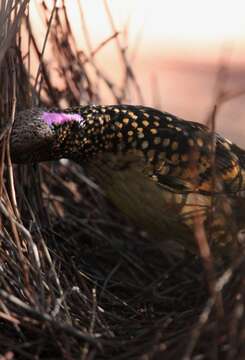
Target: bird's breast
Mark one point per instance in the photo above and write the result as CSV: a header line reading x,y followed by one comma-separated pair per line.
x,y
126,181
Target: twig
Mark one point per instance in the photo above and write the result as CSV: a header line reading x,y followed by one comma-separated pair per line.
x,y
70,330
44,47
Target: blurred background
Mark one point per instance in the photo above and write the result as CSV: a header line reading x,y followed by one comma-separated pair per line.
x,y
77,280
183,54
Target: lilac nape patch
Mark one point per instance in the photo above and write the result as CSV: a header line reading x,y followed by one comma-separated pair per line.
x,y
53,118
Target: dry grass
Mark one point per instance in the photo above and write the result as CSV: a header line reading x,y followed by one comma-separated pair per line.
x,y
76,279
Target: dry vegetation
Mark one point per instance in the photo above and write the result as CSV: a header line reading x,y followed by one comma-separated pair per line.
x,y
77,280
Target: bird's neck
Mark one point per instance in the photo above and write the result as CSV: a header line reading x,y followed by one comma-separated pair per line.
x,y
94,129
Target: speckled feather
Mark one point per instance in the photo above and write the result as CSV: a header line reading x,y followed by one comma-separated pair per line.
x,y
177,153
152,165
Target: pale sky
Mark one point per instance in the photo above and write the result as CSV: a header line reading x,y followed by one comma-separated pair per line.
x,y
172,24
165,24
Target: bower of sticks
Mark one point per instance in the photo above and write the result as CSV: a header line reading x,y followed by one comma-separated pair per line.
x,y
77,279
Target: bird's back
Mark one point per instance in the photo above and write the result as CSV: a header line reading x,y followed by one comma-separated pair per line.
x,y
178,154
161,169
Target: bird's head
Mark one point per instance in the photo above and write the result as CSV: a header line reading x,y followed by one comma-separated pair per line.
x,y
43,135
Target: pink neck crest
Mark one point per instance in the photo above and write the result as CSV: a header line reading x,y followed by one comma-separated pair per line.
x,y
56,118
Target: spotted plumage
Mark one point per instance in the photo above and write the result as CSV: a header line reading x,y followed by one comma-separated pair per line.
x,y
140,156
177,152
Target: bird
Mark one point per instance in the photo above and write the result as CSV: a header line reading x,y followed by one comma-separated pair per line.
x,y
152,165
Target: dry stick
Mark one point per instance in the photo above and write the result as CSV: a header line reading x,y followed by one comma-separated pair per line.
x,y
5,11
204,316
52,266
6,38
92,323
237,320
7,211
33,252
219,96
204,250
137,41
215,291
84,27
92,55
5,314
68,54
80,60
71,87
5,128
46,252
99,47
103,43
128,69
65,56
9,163
207,259
12,206
9,318
70,330
92,62
29,51
120,50
45,75
44,47
228,95
3,149
49,259
108,82
213,164
12,28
